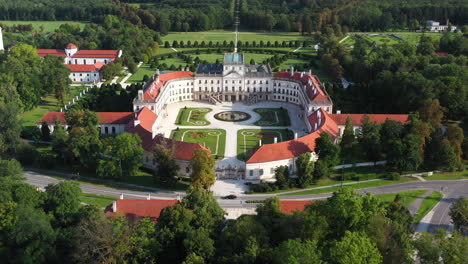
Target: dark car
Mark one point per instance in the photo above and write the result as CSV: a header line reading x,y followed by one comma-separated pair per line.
x,y
230,197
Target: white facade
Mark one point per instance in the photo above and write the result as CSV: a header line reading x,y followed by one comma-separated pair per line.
x,y
85,76
1,39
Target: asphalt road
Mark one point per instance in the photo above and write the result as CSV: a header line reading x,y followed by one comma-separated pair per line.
x,y
452,190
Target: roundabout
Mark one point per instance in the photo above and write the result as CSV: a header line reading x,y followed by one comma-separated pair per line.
x,y
232,116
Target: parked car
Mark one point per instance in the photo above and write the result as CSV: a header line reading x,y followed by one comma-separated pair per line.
x,y
230,197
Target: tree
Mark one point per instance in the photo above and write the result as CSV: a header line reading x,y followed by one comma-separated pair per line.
x,y
167,170
59,142
45,131
404,155
11,168
126,149
425,46
63,201
295,251
432,112
370,139
440,247
459,214
56,78
321,170
305,169
202,169
355,248
348,141
282,177
455,136
10,127
327,150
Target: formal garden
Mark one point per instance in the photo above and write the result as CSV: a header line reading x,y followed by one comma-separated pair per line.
x,y
249,139
213,139
273,117
192,117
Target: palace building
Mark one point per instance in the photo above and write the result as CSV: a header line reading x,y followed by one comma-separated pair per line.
x,y
234,81
84,65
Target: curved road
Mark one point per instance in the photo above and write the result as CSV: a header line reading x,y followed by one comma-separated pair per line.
x,y
451,190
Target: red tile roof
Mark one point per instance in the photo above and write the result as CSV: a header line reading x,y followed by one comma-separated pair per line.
x,y
293,148
53,52
104,117
71,46
441,53
114,54
357,119
136,209
85,67
313,88
182,150
152,91
290,206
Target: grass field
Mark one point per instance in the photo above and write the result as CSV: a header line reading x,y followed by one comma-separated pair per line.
x,y
413,37
100,201
427,204
248,139
406,197
353,186
459,175
193,117
228,35
214,139
49,104
382,40
140,73
273,117
49,26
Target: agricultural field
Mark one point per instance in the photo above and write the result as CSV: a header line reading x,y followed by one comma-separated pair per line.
x,y
272,117
49,104
49,26
249,139
222,35
213,139
193,117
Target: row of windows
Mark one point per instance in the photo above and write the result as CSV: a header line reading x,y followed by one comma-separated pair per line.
x,y
86,74
84,61
233,82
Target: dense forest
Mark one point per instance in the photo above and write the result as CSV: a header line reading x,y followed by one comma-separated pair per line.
x,y
305,16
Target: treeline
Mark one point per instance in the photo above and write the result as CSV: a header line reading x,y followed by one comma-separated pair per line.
x,y
405,73
50,10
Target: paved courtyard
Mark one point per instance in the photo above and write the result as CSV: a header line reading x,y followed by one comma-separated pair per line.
x,y
167,124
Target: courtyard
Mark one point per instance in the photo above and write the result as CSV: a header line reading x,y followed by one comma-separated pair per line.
x,y
232,131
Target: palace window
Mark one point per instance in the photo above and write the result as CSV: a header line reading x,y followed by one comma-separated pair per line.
x,y
251,172
187,169
113,130
106,130
261,172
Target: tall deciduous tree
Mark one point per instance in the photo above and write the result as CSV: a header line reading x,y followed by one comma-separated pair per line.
x,y
202,169
327,151
295,251
432,112
305,169
282,177
10,127
63,201
348,141
167,170
127,150
370,139
459,214
355,248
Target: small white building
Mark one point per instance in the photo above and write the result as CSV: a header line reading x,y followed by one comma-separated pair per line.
x,y
84,65
435,26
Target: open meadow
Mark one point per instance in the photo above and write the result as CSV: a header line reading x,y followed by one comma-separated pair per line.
x,y
222,35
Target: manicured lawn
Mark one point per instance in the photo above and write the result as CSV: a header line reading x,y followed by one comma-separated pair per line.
x,y
413,37
211,58
273,117
49,104
193,117
214,139
142,71
100,201
349,41
228,35
381,40
459,175
49,26
361,185
406,197
285,66
248,139
427,204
